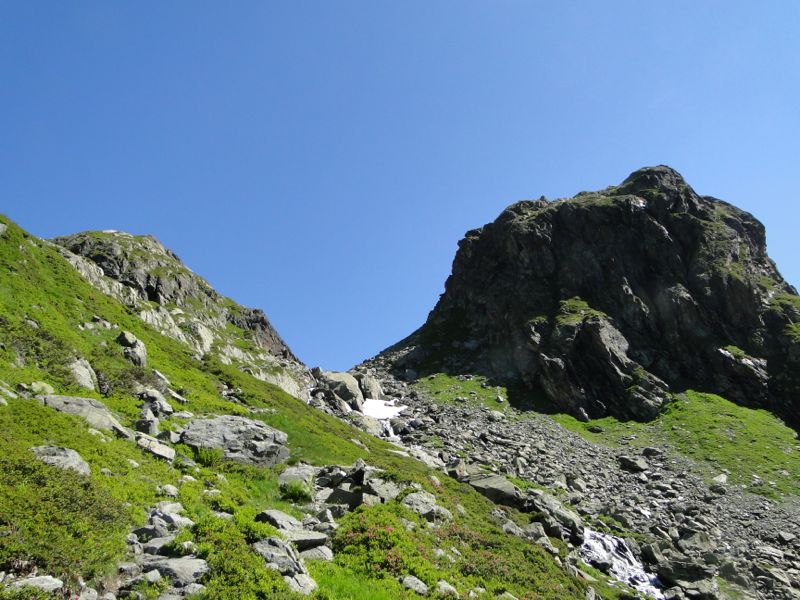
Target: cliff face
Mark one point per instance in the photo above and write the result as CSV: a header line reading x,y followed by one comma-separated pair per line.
x,y
608,301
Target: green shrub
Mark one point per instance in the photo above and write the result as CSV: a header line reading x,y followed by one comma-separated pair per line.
x,y
296,491
209,457
61,522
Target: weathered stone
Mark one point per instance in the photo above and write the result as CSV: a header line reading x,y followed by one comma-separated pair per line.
x,y
445,590
241,439
302,583
497,488
154,447
370,387
415,585
635,465
279,519
183,570
93,411
424,504
155,401
63,458
303,473
40,387
83,374
384,489
280,555
317,553
46,583
133,348
304,539
345,386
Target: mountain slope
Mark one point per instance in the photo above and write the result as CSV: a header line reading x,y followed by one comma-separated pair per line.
x,y
89,385
608,302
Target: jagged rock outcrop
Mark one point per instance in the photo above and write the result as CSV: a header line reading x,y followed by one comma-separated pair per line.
x,y
608,301
152,280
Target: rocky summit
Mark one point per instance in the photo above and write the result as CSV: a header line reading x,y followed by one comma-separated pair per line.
x,y
608,302
603,404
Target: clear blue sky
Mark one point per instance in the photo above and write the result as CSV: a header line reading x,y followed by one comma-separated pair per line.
x,y
321,160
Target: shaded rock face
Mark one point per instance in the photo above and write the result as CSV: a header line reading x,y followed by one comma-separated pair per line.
x,y
606,302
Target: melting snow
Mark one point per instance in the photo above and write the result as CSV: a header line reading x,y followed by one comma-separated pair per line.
x,y
382,409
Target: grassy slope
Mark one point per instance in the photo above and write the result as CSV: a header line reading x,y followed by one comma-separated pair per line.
x,y
51,518
719,435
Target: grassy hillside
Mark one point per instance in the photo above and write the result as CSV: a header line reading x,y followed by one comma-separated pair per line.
x,y
74,527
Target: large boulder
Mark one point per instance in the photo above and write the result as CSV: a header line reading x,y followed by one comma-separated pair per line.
x,y
93,411
370,387
154,447
345,386
497,488
133,348
63,458
282,557
83,374
424,504
183,571
45,583
241,439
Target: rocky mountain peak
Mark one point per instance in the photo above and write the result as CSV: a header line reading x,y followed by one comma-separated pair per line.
x,y
609,302
661,178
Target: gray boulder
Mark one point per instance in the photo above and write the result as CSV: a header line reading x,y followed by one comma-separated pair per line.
x,y
93,411
63,458
345,386
279,520
183,571
635,465
424,504
304,539
317,553
370,387
384,489
83,373
415,585
241,439
133,348
302,584
446,590
46,583
497,488
282,557
154,447
156,402
41,387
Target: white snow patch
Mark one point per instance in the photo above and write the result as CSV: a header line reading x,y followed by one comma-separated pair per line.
x,y
381,409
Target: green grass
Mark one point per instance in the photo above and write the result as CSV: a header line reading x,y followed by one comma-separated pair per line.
x,y
574,310
719,435
376,543
444,388
793,331
737,352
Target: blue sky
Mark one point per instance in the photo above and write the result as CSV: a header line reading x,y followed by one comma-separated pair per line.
x,y
321,160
